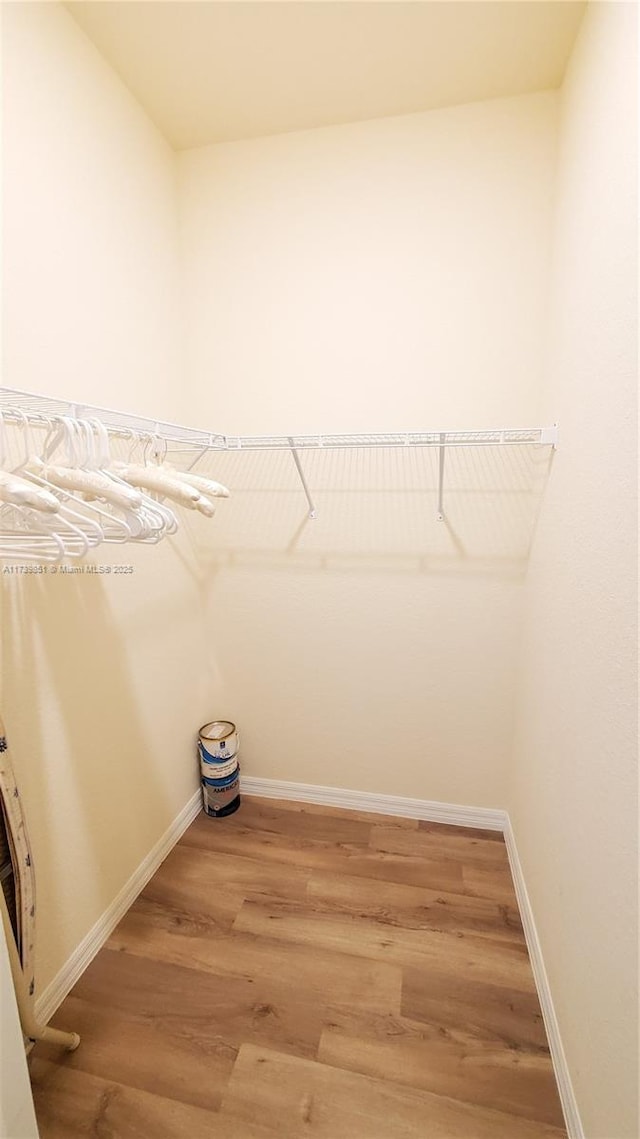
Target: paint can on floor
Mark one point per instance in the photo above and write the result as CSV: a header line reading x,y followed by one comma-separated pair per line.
x,y
218,746
221,801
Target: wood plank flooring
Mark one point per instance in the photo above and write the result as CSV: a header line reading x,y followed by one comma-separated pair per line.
x,y
296,971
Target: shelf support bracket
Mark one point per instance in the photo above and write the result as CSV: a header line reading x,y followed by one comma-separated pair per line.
x,y
313,513
441,454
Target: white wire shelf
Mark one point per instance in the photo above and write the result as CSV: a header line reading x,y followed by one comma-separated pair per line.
x,y
498,437
40,410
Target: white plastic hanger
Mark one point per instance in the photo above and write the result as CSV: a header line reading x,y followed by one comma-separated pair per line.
x,y
80,521
27,546
76,478
98,522
160,481
159,519
208,487
17,539
18,491
145,519
69,527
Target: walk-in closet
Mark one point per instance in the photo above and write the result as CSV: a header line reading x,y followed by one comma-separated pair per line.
x,y
318,560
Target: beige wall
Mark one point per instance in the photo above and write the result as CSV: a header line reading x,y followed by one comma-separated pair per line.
x,y
89,223
377,276
574,792
103,681
385,275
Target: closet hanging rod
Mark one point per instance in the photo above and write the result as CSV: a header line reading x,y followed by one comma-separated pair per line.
x,y
40,410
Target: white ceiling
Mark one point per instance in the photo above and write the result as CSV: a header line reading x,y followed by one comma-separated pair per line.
x,y
213,70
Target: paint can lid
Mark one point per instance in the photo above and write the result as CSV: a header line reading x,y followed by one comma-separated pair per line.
x,y
217,730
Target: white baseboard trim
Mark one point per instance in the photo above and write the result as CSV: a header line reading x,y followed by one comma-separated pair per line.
x,y
430,811
559,1059
54,994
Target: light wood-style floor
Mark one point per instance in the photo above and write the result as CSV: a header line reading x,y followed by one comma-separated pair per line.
x,y
300,971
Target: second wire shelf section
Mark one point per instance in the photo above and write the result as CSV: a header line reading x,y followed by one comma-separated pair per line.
x,y
538,436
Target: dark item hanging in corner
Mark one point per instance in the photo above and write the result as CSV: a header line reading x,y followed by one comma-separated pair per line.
x,y
16,867
18,905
